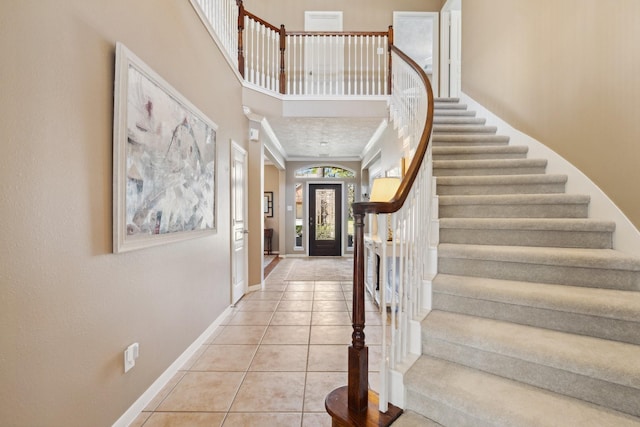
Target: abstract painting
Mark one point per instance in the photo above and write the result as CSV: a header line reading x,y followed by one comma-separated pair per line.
x,y
164,160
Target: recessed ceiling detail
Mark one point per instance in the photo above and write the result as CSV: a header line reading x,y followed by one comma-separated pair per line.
x,y
341,137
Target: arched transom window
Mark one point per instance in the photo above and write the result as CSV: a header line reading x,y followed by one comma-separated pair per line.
x,y
325,172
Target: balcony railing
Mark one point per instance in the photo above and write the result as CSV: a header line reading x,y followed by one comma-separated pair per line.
x,y
300,63
360,64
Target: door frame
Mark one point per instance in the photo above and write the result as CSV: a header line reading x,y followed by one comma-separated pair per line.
x,y
237,148
307,208
435,55
450,46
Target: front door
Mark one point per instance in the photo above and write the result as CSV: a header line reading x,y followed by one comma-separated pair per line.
x,y
325,219
239,254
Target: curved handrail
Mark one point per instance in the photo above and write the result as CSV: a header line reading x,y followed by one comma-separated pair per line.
x,y
398,199
357,394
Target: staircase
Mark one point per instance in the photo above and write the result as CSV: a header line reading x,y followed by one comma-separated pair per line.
x,y
536,319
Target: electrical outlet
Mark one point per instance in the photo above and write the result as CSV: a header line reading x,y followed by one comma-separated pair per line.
x,y
130,355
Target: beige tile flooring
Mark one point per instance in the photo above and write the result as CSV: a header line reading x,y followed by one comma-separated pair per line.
x,y
275,358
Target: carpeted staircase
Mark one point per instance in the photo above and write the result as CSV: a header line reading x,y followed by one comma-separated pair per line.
x,y
536,319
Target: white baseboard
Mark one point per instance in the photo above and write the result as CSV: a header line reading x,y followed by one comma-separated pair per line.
x,y
138,406
397,390
254,288
626,237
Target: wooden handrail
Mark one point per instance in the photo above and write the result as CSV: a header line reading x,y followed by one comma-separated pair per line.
x,y
358,410
261,21
337,33
398,199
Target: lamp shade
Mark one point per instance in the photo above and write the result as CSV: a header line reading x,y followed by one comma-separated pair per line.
x,y
384,189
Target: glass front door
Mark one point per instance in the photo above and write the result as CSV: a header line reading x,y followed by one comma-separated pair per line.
x,y
325,220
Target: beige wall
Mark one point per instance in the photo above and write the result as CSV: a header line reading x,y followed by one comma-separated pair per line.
x,y
68,306
566,72
358,15
272,183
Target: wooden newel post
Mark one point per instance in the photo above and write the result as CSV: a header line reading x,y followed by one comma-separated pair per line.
x,y
240,32
283,46
354,405
358,384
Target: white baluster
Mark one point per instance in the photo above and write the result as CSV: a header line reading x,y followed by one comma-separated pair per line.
x,y
323,52
269,58
368,79
250,71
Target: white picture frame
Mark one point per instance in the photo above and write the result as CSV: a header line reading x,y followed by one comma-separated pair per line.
x,y
164,160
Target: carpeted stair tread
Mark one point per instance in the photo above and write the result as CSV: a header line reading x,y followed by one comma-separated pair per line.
x,y
588,258
458,120
545,224
577,309
461,396
509,199
495,184
597,358
479,167
463,128
480,152
597,268
592,369
501,179
549,205
413,419
440,105
544,232
470,138
488,163
453,113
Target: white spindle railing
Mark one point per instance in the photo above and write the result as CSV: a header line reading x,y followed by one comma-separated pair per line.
x,y
221,16
407,105
262,54
336,64
315,64
408,261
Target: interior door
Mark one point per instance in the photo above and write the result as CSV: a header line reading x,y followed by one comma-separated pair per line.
x,y
325,219
324,57
239,232
455,54
416,34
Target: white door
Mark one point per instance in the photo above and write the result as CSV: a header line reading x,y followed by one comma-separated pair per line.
x,y
455,54
324,56
416,34
239,254
451,49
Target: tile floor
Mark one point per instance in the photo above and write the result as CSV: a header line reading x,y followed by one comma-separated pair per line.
x,y
275,358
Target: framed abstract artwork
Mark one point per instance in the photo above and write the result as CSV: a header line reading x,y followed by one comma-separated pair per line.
x,y
164,161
